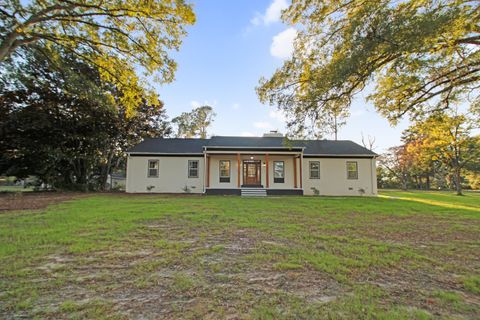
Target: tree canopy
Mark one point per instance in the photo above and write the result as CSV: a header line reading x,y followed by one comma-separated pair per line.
x,y
57,122
441,148
194,123
118,37
418,56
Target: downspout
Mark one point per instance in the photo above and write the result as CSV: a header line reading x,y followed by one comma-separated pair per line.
x,y
371,174
301,169
126,172
204,168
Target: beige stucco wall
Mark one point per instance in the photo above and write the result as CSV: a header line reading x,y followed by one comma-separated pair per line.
x,y
172,175
333,177
215,171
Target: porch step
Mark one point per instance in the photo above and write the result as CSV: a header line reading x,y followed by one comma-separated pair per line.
x,y
254,192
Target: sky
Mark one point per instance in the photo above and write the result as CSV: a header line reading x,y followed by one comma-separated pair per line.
x,y
230,47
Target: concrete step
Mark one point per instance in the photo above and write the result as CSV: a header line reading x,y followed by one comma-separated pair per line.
x,y
253,192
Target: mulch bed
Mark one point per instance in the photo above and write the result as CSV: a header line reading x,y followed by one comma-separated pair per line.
x,y
10,201
34,200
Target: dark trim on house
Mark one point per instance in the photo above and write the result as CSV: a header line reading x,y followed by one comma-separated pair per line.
x,y
270,192
252,186
284,192
223,192
242,149
190,155
338,157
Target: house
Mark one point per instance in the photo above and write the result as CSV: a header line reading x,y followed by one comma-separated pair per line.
x,y
268,165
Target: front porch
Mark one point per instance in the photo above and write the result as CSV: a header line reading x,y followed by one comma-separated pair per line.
x,y
231,171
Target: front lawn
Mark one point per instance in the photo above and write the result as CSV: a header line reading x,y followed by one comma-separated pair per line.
x,y
399,256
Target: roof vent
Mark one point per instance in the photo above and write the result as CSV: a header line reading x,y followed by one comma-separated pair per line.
x,y
273,133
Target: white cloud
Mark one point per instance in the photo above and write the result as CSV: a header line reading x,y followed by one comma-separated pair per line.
x,y
277,115
274,11
257,19
262,125
247,134
194,104
282,44
271,15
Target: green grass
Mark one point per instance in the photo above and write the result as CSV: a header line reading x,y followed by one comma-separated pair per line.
x,y
472,284
397,256
470,200
15,189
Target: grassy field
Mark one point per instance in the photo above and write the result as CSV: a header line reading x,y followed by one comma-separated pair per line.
x,y
15,189
402,255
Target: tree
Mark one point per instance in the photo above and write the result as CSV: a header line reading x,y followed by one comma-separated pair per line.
x,y
370,144
399,163
58,124
114,36
447,138
203,118
420,54
184,125
423,163
194,123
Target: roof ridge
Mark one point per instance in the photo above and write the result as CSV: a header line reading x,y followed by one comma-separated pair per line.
x,y
196,145
176,138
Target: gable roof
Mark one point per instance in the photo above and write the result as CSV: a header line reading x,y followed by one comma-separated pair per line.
x,y
197,146
167,145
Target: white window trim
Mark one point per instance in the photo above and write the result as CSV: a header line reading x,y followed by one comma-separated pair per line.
x,y
220,168
356,171
157,168
283,172
197,169
310,170
220,177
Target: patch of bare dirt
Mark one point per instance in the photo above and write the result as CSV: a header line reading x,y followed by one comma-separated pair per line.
x,y
417,288
136,284
416,230
313,286
34,200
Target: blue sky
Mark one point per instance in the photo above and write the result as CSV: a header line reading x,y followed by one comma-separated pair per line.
x,y
232,45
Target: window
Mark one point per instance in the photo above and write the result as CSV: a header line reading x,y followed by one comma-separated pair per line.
x,y
278,172
193,168
352,170
314,169
152,168
224,170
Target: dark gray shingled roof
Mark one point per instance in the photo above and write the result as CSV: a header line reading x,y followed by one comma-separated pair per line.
x,y
195,146
176,145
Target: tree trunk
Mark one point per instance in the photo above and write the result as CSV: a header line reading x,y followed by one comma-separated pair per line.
x,y
104,172
458,181
82,180
404,183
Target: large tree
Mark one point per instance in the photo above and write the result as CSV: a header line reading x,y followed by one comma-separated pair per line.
x,y
398,162
118,37
416,55
448,138
194,123
58,123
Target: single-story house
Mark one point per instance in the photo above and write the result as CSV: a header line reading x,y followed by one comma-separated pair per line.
x,y
268,165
